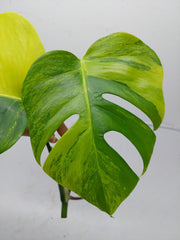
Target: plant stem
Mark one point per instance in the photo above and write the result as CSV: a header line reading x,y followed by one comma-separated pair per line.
x,y
48,147
64,194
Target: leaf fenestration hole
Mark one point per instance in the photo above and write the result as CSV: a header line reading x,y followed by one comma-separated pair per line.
x,y
126,150
44,155
128,106
69,122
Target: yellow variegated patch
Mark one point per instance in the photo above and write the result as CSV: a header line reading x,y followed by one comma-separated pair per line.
x,y
20,46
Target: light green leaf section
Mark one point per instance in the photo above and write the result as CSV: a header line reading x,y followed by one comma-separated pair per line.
x,y
59,85
20,46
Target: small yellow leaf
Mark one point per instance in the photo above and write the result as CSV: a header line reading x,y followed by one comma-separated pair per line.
x,y
20,46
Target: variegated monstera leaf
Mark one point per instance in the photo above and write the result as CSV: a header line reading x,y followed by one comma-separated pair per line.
x,y
59,85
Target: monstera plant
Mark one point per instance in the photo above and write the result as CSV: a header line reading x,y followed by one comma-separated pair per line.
x,y
44,93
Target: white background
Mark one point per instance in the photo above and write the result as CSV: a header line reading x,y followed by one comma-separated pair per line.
x,y
29,199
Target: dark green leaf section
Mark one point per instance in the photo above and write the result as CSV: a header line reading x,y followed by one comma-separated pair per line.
x,y
13,121
59,85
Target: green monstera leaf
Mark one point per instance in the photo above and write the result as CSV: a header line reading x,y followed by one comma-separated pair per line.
x,y
20,46
59,85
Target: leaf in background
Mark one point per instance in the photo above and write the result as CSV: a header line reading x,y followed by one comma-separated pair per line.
x,y
20,46
59,85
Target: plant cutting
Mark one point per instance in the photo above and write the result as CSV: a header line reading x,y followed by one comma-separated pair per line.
x,y
56,85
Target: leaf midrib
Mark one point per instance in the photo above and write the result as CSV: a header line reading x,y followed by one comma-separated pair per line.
x,y
85,88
